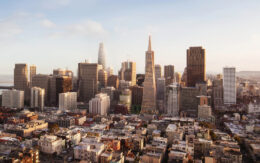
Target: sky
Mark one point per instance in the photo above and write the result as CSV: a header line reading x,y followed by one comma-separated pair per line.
x,y
61,33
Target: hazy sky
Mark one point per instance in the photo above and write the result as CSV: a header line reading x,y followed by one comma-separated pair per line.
x,y
61,33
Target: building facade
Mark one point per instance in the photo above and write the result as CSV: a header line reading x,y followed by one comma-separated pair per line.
x,y
149,94
173,99
99,105
102,55
13,99
169,74
128,72
37,98
88,80
68,101
196,66
229,85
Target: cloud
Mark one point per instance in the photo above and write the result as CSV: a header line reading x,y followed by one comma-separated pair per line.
x,y
86,28
53,4
47,23
9,29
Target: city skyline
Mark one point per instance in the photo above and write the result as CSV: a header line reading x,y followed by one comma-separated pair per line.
x,y
36,32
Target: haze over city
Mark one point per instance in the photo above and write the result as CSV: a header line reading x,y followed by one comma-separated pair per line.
x,y
61,33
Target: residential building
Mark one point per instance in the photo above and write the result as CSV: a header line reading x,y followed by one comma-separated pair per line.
x,y
229,85
100,104
37,97
68,101
13,99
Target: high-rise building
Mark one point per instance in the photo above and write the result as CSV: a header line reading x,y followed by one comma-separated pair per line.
x,y
173,99
137,95
13,99
21,79
217,92
125,99
178,77
109,91
189,101
113,81
102,78
184,77
102,56
88,80
68,101
196,66
32,73
63,85
229,85
99,105
158,71
128,72
110,71
43,81
37,97
204,110
169,74
124,84
149,94
160,94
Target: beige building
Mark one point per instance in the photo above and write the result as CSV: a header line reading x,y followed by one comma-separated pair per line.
x,y
32,73
37,97
128,72
68,101
149,94
26,129
50,144
125,98
102,79
13,99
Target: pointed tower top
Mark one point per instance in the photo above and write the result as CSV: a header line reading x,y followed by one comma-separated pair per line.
x,y
150,44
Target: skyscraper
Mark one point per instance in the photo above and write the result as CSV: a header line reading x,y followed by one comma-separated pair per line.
x,y
88,80
149,94
160,94
102,55
37,97
169,74
196,66
32,73
229,85
173,99
158,71
21,79
128,72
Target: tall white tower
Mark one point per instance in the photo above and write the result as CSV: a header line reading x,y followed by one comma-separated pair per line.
x,y
229,85
102,55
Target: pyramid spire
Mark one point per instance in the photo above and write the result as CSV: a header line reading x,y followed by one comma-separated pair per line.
x,y
150,44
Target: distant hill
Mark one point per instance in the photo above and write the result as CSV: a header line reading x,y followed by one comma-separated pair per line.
x,y
6,79
249,75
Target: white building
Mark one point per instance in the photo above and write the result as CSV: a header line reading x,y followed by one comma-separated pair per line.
x,y
37,97
100,104
50,144
173,99
89,150
229,85
13,99
68,100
